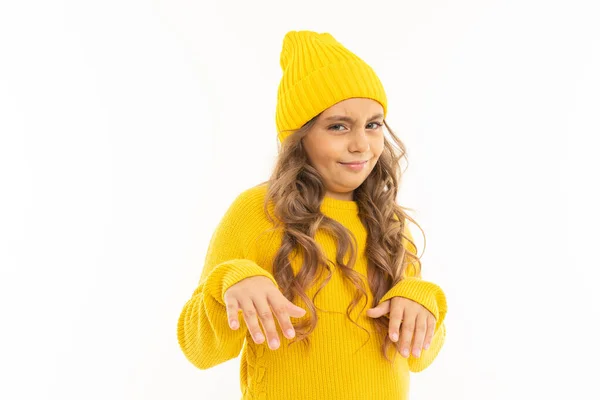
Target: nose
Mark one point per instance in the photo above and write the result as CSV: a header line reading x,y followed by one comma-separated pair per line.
x,y
359,142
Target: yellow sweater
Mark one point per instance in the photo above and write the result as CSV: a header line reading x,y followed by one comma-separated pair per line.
x,y
338,365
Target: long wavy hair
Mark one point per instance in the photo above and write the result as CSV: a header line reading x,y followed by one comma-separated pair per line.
x,y
296,190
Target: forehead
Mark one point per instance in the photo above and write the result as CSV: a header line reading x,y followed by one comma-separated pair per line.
x,y
354,107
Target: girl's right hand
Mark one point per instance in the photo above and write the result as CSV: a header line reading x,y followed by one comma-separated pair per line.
x,y
256,296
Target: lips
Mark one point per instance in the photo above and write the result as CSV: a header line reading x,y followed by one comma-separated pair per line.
x,y
354,162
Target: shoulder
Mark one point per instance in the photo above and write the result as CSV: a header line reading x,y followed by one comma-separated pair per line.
x,y
245,220
250,201
253,195
246,211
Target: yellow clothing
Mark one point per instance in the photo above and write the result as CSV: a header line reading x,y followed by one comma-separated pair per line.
x,y
342,362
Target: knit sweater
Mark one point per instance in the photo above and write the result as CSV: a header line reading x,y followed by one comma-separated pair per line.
x,y
343,361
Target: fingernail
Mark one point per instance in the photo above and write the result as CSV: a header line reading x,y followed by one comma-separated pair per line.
x,y
426,346
418,353
405,352
274,343
233,324
394,336
290,332
259,337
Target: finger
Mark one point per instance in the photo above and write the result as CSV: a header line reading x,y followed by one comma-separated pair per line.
x,y
280,309
293,309
232,308
408,327
251,319
396,316
430,331
420,331
379,310
265,316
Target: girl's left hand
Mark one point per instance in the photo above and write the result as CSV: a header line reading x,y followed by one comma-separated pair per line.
x,y
415,319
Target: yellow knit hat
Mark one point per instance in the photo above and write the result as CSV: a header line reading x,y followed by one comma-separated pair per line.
x,y
318,72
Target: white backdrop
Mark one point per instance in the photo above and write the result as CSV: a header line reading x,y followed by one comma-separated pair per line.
x,y
128,127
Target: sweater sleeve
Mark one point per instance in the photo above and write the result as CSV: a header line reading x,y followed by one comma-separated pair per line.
x,y
430,296
203,330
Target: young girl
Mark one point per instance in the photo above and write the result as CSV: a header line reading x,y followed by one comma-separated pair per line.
x,y
296,260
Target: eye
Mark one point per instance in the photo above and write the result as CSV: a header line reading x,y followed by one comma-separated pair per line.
x,y
378,124
332,126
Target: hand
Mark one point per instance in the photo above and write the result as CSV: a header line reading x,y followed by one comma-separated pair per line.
x,y
253,296
414,317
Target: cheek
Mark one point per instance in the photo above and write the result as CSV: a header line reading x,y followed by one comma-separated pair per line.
x,y
376,155
377,148
328,155
317,153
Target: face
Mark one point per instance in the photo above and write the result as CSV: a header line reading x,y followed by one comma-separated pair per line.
x,y
346,132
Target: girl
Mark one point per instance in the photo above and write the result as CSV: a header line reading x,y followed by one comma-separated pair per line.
x,y
316,243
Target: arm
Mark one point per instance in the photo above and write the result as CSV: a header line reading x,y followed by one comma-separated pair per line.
x,y
203,331
430,296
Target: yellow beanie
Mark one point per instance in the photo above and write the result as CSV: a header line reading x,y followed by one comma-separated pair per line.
x,y
318,72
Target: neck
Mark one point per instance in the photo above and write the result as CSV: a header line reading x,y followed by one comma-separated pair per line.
x,y
345,196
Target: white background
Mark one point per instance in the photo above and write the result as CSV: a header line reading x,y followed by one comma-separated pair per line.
x,y
128,127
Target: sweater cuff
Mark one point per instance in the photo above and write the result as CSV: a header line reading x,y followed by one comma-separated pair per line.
x,y
428,294
230,272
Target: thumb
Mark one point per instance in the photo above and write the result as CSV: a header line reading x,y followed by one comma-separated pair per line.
x,y
379,310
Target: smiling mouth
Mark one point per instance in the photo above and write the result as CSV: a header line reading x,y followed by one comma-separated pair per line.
x,y
354,162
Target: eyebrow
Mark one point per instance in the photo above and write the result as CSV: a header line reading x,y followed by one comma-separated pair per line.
x,y
348,119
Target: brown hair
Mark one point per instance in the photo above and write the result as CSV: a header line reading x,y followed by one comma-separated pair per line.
x,y
297,189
